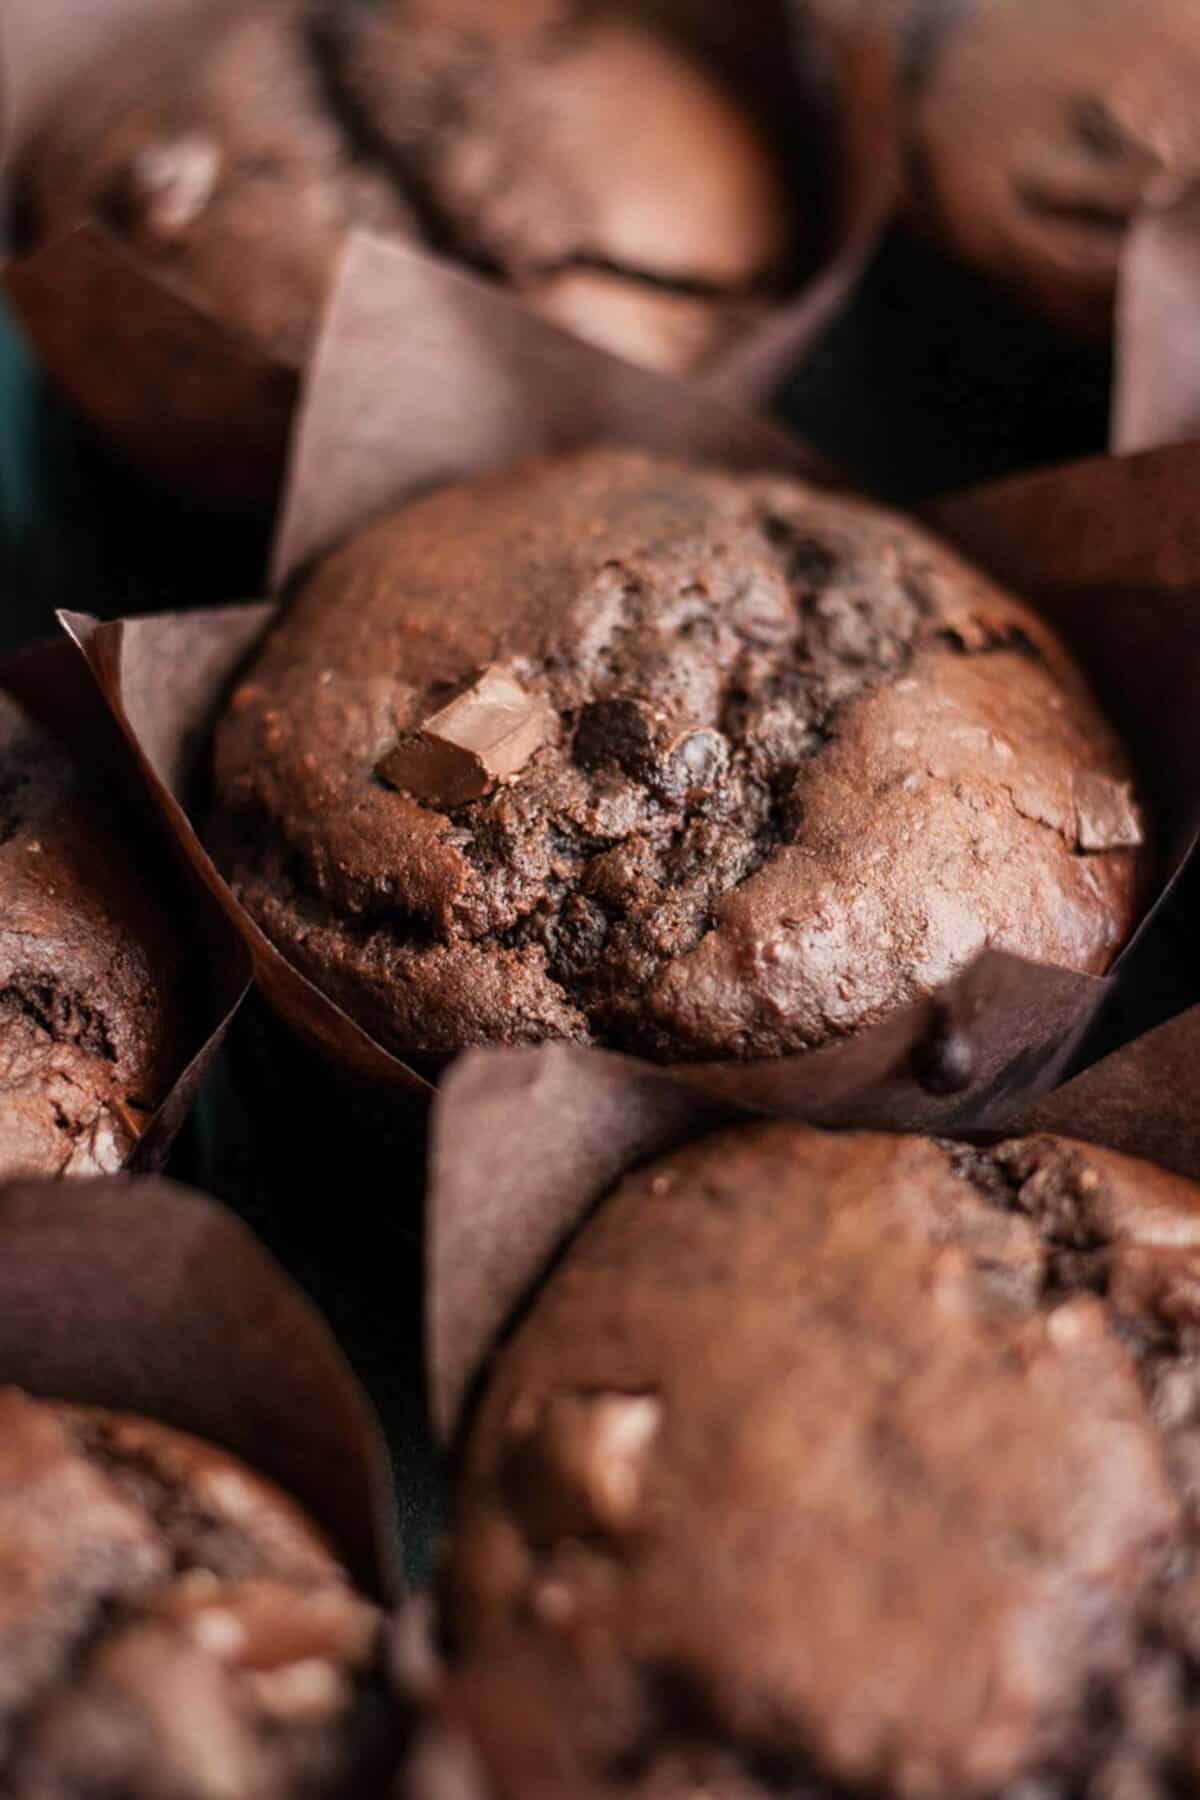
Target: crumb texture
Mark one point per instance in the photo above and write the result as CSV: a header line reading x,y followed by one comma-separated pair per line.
x,y
806,765
91,1016
172,1628
846,1466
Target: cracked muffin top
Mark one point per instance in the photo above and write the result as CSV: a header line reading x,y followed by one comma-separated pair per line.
x,y
682,762
570,150
91,1013
1037,132
172,1623
837,1465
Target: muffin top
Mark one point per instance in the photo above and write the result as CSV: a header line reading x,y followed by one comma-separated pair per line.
x,y
689,763
1038,131
172,1624
578,153
90,1006
839,1465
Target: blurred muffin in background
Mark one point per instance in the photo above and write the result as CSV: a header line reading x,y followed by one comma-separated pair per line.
x,y
583,155
1035,132
174,1624
91,1015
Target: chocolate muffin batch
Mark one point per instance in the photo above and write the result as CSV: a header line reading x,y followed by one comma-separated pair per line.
x,y
721,1021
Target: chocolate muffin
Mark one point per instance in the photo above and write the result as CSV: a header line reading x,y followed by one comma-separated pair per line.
x,y
578,153
1038,131
92,1014
683,762
172,1623
847,1465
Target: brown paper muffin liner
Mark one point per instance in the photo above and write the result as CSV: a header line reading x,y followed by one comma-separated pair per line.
x,y
145,1297
1107,549
196,403
1156,377
50,684
504,1198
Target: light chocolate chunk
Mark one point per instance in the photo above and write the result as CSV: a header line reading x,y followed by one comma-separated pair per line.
x,y
170,183
1106,813
484,736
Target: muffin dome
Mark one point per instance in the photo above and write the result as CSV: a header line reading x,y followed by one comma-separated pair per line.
x,y
682,762
845,1465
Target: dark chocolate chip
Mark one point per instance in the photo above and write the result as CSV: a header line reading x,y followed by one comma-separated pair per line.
x,y
1098,129
629,735
616,732
944,1059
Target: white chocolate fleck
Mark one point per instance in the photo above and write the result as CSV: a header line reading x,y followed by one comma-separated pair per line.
x,y
174,181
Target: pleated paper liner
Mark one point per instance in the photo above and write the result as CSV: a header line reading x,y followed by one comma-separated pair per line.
x,y
52,687
524,1143
200,406
1156,397
142,1296
1106,550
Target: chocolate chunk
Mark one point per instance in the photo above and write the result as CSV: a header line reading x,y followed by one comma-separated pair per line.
x,y
633,737
484,736
1106,816
578,1467
1096,126
695,761
944,1060
171,183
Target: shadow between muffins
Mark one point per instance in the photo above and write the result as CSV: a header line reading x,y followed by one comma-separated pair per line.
x,y
183,392
1104,549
